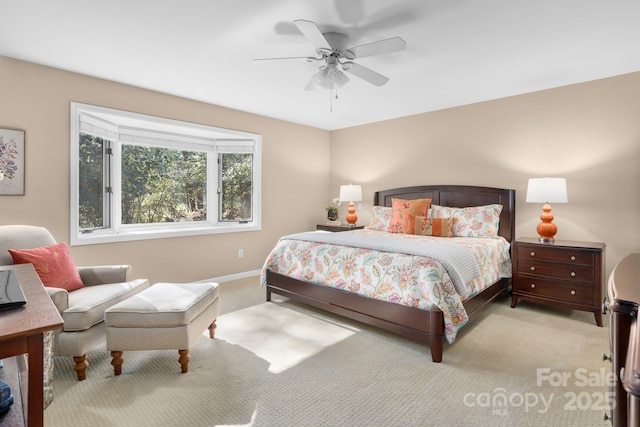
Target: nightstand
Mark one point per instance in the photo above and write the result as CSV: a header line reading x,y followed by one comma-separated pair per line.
x,y
564,273
336,228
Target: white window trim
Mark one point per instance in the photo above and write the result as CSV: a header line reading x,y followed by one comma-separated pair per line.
x,y
133,124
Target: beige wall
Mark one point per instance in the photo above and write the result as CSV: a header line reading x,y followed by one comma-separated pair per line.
x,y
295,161
587,133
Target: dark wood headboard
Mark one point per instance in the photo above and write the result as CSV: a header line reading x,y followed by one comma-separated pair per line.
x,y
459,196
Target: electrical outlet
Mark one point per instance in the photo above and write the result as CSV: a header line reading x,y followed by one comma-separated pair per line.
x,y
240,253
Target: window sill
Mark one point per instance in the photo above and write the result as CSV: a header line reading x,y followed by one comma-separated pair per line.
x,y
100,237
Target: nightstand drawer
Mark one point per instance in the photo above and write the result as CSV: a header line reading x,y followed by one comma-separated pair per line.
x,y
565,255
566,292
578,273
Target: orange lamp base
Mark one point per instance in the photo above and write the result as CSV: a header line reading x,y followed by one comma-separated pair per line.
x,y
547,229
352,218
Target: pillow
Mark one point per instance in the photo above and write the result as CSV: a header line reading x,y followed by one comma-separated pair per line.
x,y
441,227
476,221
380,218
404,212
53,264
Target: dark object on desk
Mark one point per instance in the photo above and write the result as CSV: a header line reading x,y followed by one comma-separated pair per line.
x,y
6,399
11,294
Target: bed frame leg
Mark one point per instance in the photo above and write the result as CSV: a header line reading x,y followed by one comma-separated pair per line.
x,y
435,342
268,294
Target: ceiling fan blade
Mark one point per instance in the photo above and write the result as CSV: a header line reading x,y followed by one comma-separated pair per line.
x,y
313,33
365,73
308,58
380,47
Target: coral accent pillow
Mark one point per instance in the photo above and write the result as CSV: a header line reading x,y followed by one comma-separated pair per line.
x,y
440,227
380,218
404,213
53,264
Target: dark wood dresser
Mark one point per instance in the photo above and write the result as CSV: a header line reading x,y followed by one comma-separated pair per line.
x,y
565,273
624,297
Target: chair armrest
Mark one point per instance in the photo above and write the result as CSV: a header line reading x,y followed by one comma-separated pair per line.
x,y
60,298
103,274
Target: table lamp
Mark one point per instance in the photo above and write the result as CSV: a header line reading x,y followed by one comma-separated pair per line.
x,y
351,193
547,190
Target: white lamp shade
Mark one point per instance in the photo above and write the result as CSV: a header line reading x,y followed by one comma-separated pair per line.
x,y
547,190
350,193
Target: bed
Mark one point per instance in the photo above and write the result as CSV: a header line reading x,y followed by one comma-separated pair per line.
x,y
422,324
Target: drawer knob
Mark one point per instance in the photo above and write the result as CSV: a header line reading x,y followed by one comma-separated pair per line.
x,y
573,274
533,268
533,285
533,253
573,257
573,292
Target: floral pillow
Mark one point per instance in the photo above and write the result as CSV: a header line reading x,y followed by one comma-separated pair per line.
x,y
441,227
380,218
404,212
476,221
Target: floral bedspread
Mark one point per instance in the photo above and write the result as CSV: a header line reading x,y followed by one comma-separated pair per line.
x,y
410,280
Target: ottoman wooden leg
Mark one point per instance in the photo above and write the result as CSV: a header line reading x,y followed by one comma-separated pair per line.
x,y
116,362
184,360
212,330
81,366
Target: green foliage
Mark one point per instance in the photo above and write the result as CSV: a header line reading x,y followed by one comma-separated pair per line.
x,y
236,171
162,184
91,181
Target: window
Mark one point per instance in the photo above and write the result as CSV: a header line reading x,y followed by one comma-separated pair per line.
x,y
141,177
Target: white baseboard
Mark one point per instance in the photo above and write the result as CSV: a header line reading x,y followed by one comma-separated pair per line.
x,y
231,277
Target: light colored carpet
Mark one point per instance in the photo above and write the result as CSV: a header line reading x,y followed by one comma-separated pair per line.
x,y
284,364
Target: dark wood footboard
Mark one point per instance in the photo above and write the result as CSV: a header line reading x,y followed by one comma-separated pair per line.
x,y
426,326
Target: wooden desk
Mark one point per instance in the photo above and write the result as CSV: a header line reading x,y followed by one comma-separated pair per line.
x,y
21,331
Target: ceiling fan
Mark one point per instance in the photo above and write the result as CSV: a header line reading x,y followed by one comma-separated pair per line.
x,y
332,49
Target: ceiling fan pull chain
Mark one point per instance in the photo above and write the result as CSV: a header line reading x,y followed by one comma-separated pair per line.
x,y
334,88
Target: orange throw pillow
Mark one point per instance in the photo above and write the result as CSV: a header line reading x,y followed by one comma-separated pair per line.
x,y
53,264
404,212
441,227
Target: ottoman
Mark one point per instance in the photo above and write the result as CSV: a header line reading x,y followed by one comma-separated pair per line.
x,y
165,316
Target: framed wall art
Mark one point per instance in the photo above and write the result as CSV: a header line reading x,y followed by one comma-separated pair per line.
x,y
11,162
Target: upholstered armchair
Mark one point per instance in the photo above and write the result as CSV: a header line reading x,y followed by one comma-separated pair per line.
x,y
82,310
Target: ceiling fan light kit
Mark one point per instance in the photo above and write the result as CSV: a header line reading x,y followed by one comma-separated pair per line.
x,y
332,48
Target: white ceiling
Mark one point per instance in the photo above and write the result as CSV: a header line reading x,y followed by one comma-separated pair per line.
x,y
458,51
